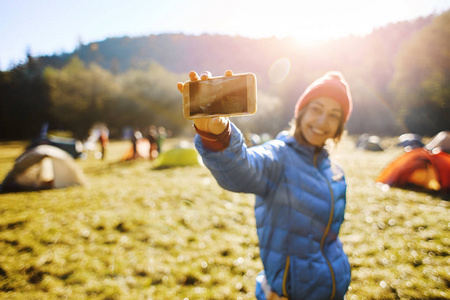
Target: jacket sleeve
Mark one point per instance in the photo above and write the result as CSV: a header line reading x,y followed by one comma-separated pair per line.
x,y
240,169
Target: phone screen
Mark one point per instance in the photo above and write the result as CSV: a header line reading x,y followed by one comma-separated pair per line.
x,y
226,95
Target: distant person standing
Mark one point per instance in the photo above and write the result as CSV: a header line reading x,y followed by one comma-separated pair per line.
x,y
162,135
104,140
137,135
153,137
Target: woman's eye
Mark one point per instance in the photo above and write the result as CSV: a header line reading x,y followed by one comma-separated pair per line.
x,y
335,116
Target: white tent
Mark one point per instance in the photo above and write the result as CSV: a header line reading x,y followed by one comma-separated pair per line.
x,y
369,142
43,167
440,141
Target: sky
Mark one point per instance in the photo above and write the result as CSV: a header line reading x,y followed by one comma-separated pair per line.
x,y
48,27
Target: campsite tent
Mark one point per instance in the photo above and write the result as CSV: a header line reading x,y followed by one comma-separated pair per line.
x,y
72,146
419,167
182,155
43,167
410,141
440,141
369,142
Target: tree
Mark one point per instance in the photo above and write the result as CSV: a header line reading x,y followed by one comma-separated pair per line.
x,y
153,97
23,101
80,96
421,84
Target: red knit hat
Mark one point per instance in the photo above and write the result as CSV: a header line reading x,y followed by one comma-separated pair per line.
x,y
332,85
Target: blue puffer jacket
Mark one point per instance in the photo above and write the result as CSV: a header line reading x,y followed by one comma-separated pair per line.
x,y
299,208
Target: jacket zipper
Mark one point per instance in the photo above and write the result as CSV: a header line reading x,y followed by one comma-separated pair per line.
x,y
327,230
285,276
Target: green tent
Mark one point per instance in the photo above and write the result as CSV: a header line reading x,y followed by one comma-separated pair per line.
x,y
178,157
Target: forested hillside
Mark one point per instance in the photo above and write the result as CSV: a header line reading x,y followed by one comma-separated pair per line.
x,y
399,76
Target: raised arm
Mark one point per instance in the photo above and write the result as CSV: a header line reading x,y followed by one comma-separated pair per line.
x,y
240,169
235,167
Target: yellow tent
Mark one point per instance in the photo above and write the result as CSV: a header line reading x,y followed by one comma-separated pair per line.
x,y
180,156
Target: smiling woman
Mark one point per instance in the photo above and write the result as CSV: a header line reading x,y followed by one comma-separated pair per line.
x,y
300,195
322,110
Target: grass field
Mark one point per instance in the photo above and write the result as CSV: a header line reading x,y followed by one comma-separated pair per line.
x,y
139,233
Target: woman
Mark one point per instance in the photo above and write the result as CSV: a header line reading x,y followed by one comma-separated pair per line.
x,y
300,195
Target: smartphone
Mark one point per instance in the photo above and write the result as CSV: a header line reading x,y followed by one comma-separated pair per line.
x,y
220,96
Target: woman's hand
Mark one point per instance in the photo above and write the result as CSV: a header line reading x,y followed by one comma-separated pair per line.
x,y
214,125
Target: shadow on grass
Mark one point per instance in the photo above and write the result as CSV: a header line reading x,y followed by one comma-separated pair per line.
x,y
108,167
444,195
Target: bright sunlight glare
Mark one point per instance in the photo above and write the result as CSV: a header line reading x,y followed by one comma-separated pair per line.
x,y
309,21
51,27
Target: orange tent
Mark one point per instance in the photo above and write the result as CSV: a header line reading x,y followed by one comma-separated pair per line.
x,y
426,169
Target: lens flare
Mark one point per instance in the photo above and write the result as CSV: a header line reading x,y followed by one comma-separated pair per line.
x,y
279,70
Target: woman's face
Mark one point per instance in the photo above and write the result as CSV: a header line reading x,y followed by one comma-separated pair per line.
x,y
320,121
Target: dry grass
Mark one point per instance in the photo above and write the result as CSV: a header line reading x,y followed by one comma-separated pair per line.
x,y
140,233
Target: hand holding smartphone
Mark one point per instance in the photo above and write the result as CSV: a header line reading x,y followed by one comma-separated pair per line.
x,y
220,96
